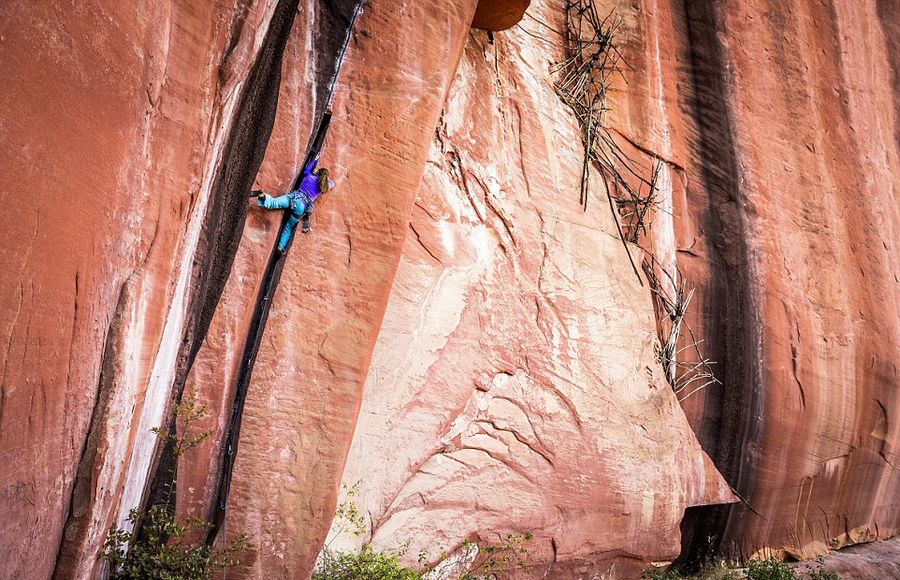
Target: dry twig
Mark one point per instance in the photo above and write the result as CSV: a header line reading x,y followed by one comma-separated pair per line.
x,y
584,79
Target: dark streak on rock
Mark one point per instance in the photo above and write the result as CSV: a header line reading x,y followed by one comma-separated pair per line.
x,y
77,526
731,425
889,19
226,213
333,22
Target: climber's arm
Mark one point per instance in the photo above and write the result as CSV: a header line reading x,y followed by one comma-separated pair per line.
x,y
310,166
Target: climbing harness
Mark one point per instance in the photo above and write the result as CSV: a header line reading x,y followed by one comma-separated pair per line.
x,y
297,197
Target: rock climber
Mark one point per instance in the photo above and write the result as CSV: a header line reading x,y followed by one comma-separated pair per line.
x,y
300,201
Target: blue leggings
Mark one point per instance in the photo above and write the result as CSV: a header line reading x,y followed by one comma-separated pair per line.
x,y
284,202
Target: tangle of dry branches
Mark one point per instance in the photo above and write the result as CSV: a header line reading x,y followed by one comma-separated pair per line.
x,y
584,78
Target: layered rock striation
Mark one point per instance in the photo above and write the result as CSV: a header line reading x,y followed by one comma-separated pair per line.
x,y
456,333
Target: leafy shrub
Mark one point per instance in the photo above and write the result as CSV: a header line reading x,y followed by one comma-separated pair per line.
x,y
712,570
770,569
490,561
159,552
162,554
499,560
366,564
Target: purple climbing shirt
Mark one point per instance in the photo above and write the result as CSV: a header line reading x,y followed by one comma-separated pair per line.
x,y
309,185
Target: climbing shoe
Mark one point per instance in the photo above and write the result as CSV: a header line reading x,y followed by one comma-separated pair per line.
x,y
279,252
256,193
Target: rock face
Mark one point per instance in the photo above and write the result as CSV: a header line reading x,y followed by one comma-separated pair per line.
x,y
789,234
518,350
880,559
456,333
307,384
794,427
499,14
111,270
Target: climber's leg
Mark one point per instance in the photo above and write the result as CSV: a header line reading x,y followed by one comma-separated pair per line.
x,y
280,202
286,232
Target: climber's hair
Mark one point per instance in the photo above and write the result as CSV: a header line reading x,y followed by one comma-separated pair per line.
x,y
323,180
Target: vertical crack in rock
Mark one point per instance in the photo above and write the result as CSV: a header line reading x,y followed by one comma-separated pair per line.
x,y
334,25
220,230
223,223
75,530
733,408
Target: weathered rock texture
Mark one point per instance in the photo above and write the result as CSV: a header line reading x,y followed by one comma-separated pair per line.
x,y
518,350
499,14
776,125
879,559
789,230
307,384
118,128
489,336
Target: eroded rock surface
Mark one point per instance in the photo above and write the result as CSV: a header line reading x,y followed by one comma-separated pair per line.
x,y
491,338
307,383
117,126
788,228
780,172
518,350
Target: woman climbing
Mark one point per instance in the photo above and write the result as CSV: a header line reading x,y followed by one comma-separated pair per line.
x,y
300,201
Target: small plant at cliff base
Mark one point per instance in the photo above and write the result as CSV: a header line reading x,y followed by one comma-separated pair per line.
x,y
818,572
491,562
499,560
717,570
159,550
365,564
770,569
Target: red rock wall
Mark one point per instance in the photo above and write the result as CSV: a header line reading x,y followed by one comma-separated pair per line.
x,y
307,381
790,225
782,171
517,350
113,125
513,384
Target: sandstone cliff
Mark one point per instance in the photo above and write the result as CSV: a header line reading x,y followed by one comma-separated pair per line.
x,y
457,334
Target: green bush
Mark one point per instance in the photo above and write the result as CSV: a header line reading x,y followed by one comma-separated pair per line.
x,y
159,551
367,564
492,561
500,559
162,554
770,569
